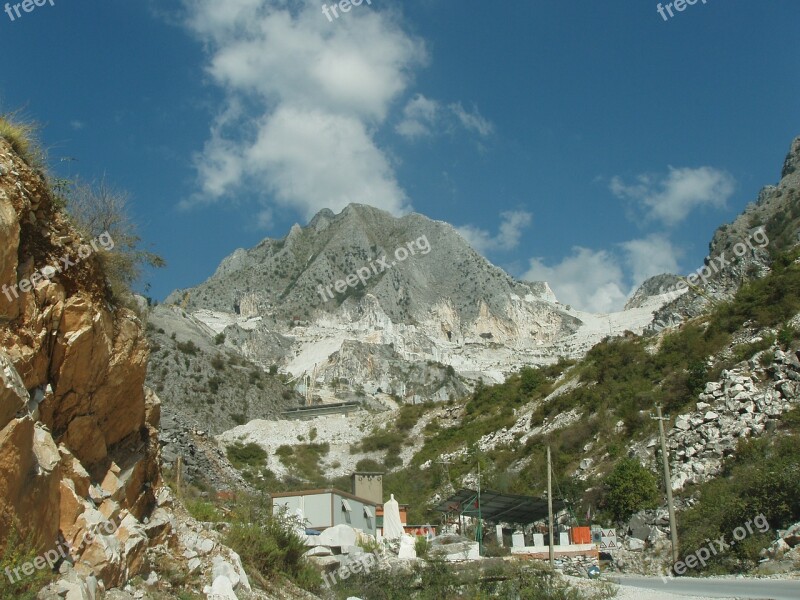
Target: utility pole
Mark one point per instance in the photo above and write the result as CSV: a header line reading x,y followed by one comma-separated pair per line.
x,y
673,528
550,507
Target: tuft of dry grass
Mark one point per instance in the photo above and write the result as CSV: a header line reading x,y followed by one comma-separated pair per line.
x,y
22,137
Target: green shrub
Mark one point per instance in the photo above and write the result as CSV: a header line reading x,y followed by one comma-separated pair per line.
x,y
786,337
760,479
218,362
382,439
303,460
631,488
213,384
17,550
421,545
249,455
409,415
188,347
269,546
203,510
367,465
392,460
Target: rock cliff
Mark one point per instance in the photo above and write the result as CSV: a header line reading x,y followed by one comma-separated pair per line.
x,y
78,429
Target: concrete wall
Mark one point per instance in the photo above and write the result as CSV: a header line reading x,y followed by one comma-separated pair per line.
x,y
316,508
368,486
355,517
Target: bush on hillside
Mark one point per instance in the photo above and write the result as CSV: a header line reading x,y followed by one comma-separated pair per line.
x,y
98,209
246,455
760,479
631,488
268,544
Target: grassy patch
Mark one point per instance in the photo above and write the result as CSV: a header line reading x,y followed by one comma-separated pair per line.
x,y
303,460
22,138
246,455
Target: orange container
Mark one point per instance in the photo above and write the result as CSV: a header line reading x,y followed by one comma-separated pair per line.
x,y
581,535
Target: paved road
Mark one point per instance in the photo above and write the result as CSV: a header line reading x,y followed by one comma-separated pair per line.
x,y
770,589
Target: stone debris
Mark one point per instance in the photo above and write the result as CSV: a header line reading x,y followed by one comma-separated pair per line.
x,y
739,405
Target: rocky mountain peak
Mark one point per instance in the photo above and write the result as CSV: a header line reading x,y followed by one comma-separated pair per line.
x,y
792,163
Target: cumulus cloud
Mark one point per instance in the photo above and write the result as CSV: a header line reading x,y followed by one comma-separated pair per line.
x,y
508,236
650,256
419,117
671,198
601,281
589,280
303,100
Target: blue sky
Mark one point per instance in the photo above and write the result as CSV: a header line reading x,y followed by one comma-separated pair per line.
x,y
591,144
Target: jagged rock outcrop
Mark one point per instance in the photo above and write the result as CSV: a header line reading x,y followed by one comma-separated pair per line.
x,y
747,401
78,436
739,251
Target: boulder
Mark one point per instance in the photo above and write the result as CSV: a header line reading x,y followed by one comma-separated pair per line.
x,y
338,536
221,589
635,544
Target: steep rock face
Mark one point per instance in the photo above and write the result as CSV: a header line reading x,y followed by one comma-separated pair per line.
x,y
77,448
741,250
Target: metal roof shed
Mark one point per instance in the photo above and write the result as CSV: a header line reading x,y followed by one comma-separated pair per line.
x,y
498,507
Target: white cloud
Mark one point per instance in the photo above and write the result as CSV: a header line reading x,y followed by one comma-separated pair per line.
x,y
312,159
650,256
424,117
472,121
315,92
588,280
77,125
596,281
419,117
510,231
670,199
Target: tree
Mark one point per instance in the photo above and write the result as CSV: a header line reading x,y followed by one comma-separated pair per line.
x,y
631,488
